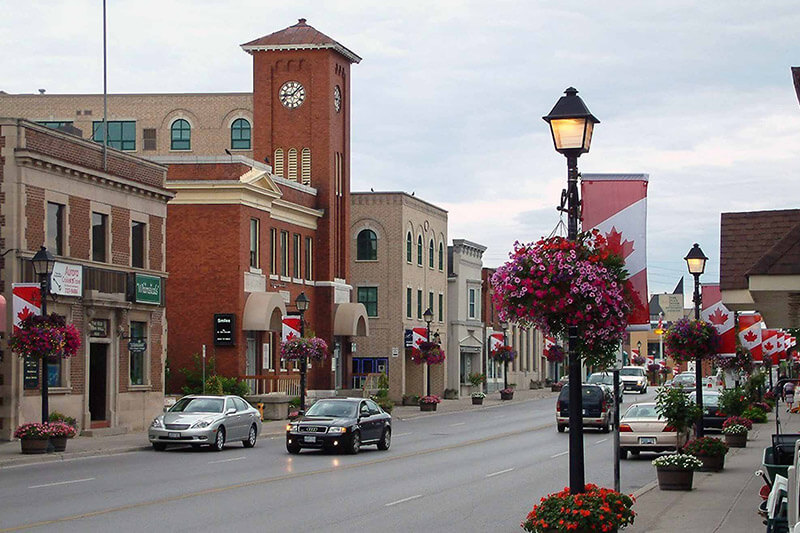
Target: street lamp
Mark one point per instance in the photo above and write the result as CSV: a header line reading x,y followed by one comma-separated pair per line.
x,y
428,317
504,326
696,263
43,264
301,303
571,125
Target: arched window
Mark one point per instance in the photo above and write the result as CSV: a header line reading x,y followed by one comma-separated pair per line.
x,y
441,256
181,135
419,250
278,168
430,254
305,166
408,247
240,134
367,245
291,164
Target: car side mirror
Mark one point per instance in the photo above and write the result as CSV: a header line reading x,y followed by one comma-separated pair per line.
x,y
231,411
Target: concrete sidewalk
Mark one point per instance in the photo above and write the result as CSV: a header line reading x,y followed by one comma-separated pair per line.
x,y
720,501
94,446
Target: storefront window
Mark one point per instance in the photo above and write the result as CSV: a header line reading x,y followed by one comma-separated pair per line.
x,y
138,357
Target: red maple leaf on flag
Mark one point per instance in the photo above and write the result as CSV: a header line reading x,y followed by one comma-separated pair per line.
x,y
718,317
616,245
25,313
750,336
768,346
290,336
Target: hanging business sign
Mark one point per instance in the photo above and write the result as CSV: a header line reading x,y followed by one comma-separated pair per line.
x,y
67,280
137,345
30,373
223,329
148,289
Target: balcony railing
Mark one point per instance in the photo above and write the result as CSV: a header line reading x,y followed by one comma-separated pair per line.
x,y
264,384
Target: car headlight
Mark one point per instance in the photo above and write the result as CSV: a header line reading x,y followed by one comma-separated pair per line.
x,y
158,423
337,429
201,424
292,428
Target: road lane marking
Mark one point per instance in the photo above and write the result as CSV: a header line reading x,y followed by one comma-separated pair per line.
x,y
458,424
227,460
500,472
402,434
601,441
559,454
404,500
61,483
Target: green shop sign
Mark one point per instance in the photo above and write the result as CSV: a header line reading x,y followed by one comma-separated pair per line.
x,y
148,289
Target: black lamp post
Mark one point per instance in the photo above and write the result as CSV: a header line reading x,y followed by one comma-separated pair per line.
x,y
428,317
301,302
504,325
43,264
696,262
571,125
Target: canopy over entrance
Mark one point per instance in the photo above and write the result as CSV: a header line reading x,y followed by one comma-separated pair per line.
x,y
350,320
263,311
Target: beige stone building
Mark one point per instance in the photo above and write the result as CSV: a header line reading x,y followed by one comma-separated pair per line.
x,y
147,124
399,269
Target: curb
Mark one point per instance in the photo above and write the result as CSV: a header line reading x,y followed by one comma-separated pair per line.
x,y
58,457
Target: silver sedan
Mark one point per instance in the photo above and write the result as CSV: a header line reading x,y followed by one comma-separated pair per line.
x,y
206,420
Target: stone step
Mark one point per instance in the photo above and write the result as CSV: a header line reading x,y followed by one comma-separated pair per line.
x,y
104,432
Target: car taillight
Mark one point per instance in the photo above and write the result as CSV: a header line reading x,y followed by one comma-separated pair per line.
x,y
558,406
625,428
719,413
668,429
603,407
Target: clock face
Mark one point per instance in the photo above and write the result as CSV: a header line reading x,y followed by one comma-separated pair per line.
x,y
337,98
292,94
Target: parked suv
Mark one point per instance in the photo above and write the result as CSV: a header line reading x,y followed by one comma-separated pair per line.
x,y
597,408
633,378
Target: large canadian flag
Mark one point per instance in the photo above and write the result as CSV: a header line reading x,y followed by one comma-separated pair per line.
x,y
750,334
616,204
770,344
715,313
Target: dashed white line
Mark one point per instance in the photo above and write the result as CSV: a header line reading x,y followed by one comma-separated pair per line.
x,y
227,460
458,424
61,483
601,441
500,472
404,500
559,454
402,434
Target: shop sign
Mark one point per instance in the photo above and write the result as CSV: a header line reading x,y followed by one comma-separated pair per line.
x,y
98,327
137,345
30,373
67,280
409,338
223,329
148,289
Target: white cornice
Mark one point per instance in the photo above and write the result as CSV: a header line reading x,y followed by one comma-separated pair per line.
x,y
349,54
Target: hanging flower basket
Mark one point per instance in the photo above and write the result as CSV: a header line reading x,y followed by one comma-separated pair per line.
x,y
687,340
502,354
45,337
555,283
555,354
429,353
314,349
741,361
639,360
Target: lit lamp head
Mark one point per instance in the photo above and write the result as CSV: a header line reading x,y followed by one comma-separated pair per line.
x,y
428,316
503,325
43,262
571,124
696,260
301,302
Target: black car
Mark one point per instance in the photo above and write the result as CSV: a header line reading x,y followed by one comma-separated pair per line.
x,y
712,417
598,407
340,423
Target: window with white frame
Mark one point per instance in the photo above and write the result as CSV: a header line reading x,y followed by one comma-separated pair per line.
x,y
471,299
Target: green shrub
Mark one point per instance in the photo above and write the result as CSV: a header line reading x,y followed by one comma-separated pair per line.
x,y
55,416
755,414
733,401
194,374
385,403
294,401
676,408
214,386
754,386
234,386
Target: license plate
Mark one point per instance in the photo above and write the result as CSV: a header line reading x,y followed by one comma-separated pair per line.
x,y
174,435
309,439
647,440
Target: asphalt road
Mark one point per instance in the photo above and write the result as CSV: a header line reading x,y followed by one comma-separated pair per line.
x,y
478,470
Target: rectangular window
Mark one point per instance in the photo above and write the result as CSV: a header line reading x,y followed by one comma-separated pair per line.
x,y
369,297
408,302
284,253
121,133
149,139
254,226
138,240
430,301
99,237
55,228
471,303
441,307
309,258
138,358
298,254
419,303
273,251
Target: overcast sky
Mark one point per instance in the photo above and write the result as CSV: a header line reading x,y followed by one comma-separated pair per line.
x,y
448,99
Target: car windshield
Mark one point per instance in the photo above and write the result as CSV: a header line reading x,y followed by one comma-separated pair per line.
x,y
709,400
631,372
641,411
198,405
683,378
335,409
605,379
590,394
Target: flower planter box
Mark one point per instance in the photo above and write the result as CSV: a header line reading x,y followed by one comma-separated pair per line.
x,y
671,478
59,443
477,401
34,446
506,395
736,441
712,463
427,406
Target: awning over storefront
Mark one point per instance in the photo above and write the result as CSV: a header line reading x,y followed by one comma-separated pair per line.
x,y
350,320
263,311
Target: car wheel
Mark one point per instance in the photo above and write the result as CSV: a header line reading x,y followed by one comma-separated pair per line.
x,y
623,453
355,443
250,441
644,390
635,453
561,428
219,441
606,428
386,439
292,448
159,446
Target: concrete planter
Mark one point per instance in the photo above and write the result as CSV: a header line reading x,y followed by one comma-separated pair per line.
x,y
428,406
33,446
671,478
477,401
736,441
59,443
507,395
